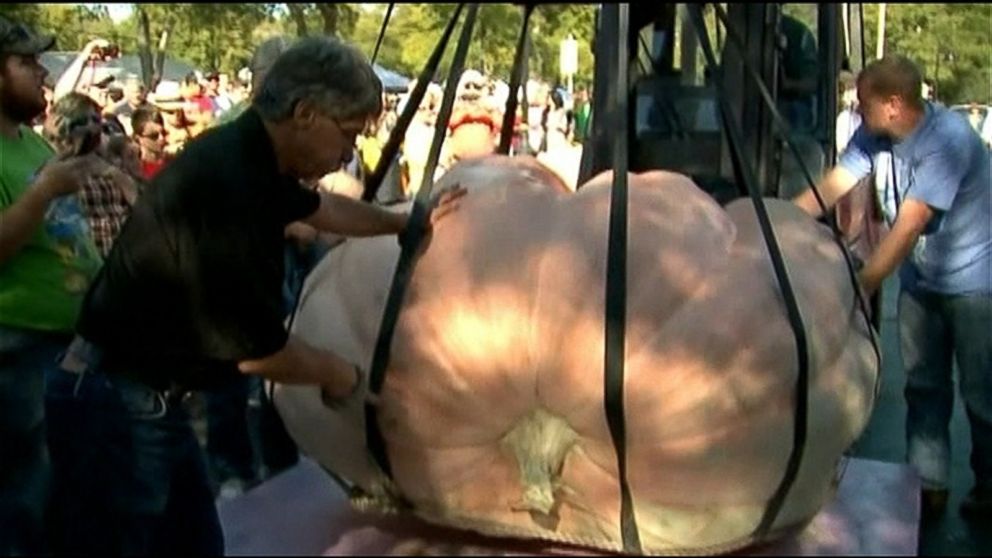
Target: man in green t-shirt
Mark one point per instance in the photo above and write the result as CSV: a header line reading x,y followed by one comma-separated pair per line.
x,y
46,263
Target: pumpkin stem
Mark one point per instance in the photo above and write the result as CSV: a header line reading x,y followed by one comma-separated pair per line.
x,y
540,442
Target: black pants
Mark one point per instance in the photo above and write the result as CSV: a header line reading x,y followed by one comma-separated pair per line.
x,y
244,433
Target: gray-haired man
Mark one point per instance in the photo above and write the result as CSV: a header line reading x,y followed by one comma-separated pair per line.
x,y
190,297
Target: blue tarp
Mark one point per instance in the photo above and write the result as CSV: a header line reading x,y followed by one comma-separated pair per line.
x,y
392,82
175,70
121,68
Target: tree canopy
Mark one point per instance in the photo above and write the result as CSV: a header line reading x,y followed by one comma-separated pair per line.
x,y
950,42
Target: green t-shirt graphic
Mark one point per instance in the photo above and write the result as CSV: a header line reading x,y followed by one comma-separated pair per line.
x,y
43,284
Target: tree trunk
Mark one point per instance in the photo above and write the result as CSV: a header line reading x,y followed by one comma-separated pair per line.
x,y
160,56
330,14
144,48
299,15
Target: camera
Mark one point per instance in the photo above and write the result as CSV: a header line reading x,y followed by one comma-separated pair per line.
x,y
108,52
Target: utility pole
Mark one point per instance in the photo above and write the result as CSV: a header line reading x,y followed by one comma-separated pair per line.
x,y
880,47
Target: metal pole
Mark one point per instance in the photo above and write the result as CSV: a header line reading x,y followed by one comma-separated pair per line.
x,y
382,31
845,15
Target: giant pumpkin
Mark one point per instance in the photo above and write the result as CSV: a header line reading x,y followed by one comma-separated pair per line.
x,y
492,408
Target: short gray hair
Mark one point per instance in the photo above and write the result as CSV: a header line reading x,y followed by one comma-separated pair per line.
x,y
264,57
332,75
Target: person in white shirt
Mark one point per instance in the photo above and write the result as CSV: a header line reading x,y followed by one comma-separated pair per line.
x,y
849,119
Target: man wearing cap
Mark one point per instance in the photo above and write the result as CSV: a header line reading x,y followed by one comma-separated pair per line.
x,y
190,299
44,272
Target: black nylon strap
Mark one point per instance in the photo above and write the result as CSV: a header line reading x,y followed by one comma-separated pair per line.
x,y
781,274
616,288
392,147
516,78
410,242
783,127
382,31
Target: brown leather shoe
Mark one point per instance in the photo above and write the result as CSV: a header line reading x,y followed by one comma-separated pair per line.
x,y
978,504
933,503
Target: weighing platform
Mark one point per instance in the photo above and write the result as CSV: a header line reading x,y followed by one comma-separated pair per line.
x,y
303,512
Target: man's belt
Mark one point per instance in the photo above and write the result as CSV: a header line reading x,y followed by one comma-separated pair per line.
x,y
83,356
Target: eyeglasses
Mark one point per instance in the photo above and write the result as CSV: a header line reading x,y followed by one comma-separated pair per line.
x,y
349,135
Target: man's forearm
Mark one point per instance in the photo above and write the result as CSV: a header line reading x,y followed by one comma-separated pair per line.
x,y
69,80
833,187
345,216
20,221
891,252
299,363
896,245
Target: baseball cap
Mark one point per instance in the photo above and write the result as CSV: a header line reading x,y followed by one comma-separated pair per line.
x,y
17,38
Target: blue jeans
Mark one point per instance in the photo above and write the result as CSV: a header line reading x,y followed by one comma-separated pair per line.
x,y
24,463
935,331
128,473
230,452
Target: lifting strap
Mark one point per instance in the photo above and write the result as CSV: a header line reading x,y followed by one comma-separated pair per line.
x,y
516,78
410,241
616,285
392,147
382,31
747,174
783,127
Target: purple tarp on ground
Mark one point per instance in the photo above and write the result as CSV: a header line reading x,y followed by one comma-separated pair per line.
x,y
302,512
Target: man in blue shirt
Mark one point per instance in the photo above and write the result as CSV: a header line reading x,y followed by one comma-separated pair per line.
x,y
932,176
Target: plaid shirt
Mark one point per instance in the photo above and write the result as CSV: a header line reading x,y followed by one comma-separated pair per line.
x,y
106,209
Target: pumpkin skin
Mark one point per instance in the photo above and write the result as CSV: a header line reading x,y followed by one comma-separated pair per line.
x,y
492,407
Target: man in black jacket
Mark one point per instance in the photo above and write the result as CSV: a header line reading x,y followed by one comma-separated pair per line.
x,y
190,297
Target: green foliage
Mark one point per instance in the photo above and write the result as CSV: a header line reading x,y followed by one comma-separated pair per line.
x,y
414,30
952,45
327,18
72,24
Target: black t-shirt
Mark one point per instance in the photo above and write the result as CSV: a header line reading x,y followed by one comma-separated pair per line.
x,y
193,283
